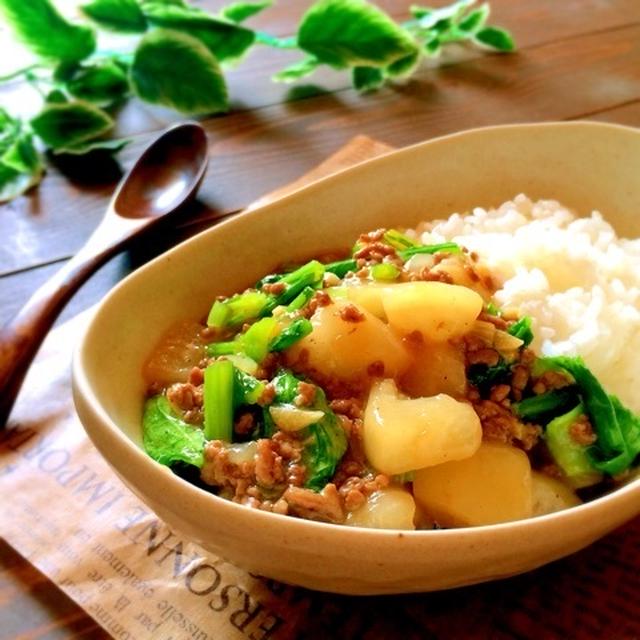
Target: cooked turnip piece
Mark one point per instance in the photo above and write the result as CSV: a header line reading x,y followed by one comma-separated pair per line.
x,y
493,485
403,434
550,495
437,367
346,340
390,508
438,311
369,296
290,418
179,350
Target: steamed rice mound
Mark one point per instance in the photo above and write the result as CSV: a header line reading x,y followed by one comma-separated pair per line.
x,y
578,281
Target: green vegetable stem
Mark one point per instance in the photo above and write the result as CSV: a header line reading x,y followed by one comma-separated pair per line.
x,y
571,457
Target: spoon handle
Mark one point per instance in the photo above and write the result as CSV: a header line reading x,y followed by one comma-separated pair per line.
x,y
22,336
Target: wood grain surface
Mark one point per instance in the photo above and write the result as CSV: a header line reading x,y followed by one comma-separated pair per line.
x,y
576,59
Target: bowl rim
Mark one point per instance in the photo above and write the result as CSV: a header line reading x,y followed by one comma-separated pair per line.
x,y
83,391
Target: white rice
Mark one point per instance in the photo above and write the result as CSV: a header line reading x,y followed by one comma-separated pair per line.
x,y
578,281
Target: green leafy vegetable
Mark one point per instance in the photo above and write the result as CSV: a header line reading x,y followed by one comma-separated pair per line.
x,y
301,299
448,247
475,19
616,427
102,83
71,123
297,330
492,309
102,146
385,272
545,407
570,456
344,33
308,275
238,309
195,84
367,78
20,163
522,330
297,70
39,25
123,16
342,267
218,397
495,38
485,377
325,446
167,438
247,389
240,11
177,61
225,39
325,442
399,240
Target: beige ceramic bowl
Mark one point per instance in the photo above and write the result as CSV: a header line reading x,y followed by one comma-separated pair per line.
x,y
583,165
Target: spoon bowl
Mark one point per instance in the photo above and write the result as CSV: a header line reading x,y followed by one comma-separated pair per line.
x,y
167,174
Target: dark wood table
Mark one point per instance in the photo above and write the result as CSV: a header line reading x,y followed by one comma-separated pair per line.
x,y
576,59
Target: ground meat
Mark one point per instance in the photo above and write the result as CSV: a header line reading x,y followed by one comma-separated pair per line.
x,y
244,424
549,381
320,299
582,433
487,356
351,313
497,321
500,393
372,236
185,396
375,252
433,275
196,376
350,407
325,506
219,471
376,369
306,394
499,424
274,288
269,464
260,482
356,489
268,395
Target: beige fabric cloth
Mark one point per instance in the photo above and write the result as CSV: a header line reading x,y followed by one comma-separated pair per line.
x,y
65,510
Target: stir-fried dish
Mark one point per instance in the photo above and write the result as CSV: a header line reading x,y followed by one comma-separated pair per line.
x,y
386,389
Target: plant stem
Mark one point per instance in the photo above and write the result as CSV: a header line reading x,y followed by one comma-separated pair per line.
x,y
21,72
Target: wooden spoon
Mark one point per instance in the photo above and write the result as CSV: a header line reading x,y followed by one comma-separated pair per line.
x,y
166,175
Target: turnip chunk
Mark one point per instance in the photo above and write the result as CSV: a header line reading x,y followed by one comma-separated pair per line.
x,y
437,310
338,347
437,367
179,350
551,495
290,418
369,295
493,485
390,508
403,434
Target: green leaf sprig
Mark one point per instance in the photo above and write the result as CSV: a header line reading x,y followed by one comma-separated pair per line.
x,y
179,58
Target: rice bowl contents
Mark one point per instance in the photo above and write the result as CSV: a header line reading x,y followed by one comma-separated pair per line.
x,y
447,376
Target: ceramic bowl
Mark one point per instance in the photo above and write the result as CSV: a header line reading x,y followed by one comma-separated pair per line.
x,y
584,165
